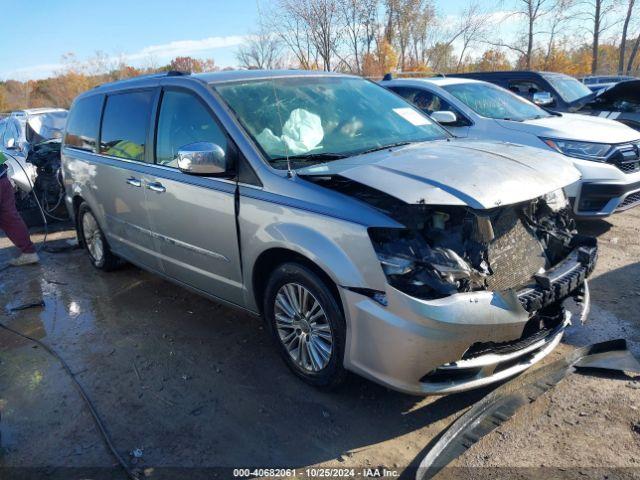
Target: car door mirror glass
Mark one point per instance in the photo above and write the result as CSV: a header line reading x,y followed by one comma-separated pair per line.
x,y
202,158
542,99
444,117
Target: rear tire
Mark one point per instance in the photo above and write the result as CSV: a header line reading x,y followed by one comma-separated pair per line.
x,y
306,324
94,241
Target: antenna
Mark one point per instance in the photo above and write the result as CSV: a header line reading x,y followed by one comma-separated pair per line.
x,y
290,171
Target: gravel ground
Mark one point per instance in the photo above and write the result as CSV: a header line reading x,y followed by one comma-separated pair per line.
x,y
193,385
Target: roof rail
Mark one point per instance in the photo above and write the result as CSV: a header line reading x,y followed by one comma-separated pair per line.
x,y
177,73
390,76
169,73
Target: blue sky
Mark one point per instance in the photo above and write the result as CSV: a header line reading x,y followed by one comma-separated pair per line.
x,y
39,32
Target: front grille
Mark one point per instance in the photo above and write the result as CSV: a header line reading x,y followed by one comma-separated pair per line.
x,y
629,167
631,201
515,254
626,158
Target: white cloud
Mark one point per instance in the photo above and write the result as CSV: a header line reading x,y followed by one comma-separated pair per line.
x,y
162,52
31,72
186,47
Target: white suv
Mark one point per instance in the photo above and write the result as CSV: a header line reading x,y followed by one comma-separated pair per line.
x,y
606,152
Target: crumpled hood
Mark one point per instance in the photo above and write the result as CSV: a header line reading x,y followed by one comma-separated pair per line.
x,y
572,126
481,175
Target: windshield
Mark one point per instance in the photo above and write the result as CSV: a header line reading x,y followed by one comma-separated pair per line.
x,y
492,101
317,119
567,87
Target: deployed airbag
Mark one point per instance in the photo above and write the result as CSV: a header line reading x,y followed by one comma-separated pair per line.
x,y
301,133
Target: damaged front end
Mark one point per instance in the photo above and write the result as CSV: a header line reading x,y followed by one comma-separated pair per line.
x,y
528,254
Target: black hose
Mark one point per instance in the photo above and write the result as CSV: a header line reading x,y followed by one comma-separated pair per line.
x,y
101,428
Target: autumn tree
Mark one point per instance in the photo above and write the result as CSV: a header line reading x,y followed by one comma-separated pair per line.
x,y
380,61
193,65
492,60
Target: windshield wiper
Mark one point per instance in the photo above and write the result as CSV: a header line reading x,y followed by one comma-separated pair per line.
x,y
384,147
311,156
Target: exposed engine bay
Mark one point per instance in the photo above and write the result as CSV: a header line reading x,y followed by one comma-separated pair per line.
x,y
450,249
47,185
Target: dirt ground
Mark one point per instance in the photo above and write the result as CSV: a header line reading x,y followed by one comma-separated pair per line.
x,y
193,385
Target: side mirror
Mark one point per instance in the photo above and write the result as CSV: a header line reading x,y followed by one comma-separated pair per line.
x,y
542,99
202,158
444,117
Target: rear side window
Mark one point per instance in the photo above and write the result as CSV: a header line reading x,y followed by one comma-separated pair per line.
x,y
125,124
83,123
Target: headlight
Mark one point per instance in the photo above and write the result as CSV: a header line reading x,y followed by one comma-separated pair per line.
x,y
415,268
583,150
556,200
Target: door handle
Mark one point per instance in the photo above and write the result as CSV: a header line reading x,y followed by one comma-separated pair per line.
x,y
134,182
156,187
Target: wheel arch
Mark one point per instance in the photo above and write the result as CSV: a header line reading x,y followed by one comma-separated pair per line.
x,y
272,258
75,203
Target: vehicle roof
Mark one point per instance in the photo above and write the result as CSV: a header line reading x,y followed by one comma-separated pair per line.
x,y
236,75
441,82
210,77
498,73
36,111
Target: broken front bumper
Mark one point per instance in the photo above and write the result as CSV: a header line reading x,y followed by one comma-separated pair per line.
x,y
418,346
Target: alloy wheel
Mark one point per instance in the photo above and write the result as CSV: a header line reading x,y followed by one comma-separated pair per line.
x,y
92,237
303,327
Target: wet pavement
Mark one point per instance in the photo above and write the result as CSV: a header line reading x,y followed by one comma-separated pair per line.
x,y
192,383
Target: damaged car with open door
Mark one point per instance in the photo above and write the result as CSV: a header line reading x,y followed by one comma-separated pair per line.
x,y
31,139
367,237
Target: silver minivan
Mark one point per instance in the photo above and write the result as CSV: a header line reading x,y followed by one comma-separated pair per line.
x,y
366,236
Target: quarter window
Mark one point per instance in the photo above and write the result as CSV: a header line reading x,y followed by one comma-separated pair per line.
x,y
83,124
125,123
183,120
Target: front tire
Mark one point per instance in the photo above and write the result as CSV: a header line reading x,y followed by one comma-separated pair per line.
x,y
94,241
307,325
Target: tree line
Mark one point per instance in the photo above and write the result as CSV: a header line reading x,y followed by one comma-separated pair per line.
x,y
373,37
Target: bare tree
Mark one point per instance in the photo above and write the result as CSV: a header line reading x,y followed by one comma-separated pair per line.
x,y
473,26
598,13
532,11
358,18
424,32
293,32
316,22
262,51
408,25
625,31
632,55
561,13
